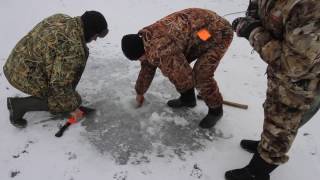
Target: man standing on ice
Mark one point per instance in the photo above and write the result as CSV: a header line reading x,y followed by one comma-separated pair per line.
x,y
171,44
48,63
286,34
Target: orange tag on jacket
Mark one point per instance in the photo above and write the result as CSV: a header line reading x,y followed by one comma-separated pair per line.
x,y
204,34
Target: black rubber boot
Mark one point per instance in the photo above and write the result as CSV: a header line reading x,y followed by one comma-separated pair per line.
x,y
19,106
187,99
258,169
214,114
249,145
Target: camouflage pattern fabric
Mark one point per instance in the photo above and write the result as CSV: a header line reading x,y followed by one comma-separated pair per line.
x,y
174,41
289,42
48,62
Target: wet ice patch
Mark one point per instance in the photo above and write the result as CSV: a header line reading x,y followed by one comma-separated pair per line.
x,y
134,135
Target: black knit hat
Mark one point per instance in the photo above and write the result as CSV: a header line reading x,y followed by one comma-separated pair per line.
x,y
132,46
93,23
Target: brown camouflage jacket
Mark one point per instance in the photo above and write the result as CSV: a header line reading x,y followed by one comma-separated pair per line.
x,y
172,43
289,42
49,61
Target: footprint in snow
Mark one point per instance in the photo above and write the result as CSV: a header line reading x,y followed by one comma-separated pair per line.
x,y
14,173
196,172
71,155
122,175
23,151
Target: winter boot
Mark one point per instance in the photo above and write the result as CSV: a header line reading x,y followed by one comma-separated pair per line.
x,y
249,145
19,106
258,169
187,99
214,114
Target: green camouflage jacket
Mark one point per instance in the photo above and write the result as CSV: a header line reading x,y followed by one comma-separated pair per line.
x,y
48,62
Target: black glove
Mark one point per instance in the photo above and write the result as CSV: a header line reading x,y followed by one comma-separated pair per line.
x,y
252,10
244,25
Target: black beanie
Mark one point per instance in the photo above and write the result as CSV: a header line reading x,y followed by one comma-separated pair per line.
x,y
93,23
132,46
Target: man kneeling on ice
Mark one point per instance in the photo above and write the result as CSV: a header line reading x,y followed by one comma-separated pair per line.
x,y
171,44
48,63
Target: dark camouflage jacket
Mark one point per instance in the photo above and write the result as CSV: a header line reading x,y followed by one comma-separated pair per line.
x,y
172,43
48,62
289,41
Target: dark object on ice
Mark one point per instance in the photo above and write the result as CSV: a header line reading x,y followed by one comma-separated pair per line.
x,y
16,156
249,145
257,169
14,173
186,99
214,114
306,134
18,106
132,46
88,112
